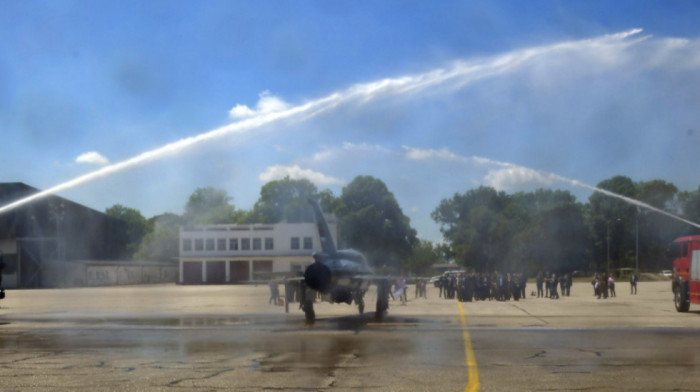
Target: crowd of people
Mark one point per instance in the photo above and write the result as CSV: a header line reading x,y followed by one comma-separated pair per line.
x,y
467,287
550,284
604,285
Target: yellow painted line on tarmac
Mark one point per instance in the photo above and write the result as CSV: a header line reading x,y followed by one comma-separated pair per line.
x,y
472,370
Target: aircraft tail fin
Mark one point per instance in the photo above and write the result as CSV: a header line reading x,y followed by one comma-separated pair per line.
x,y
327,245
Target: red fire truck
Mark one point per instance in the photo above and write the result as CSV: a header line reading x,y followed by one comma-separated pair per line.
x,y
686,271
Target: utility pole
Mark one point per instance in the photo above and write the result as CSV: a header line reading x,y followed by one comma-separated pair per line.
x,y
636,242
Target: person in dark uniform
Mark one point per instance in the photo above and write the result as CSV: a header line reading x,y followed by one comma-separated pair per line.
x,y
562,284
569,282
469,289
633,283
553,287
540,284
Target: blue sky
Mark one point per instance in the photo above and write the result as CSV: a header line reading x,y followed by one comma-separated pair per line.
x,y
433,98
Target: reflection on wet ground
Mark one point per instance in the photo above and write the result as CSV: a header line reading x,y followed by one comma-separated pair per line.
x,y
274,323
263,351
50,341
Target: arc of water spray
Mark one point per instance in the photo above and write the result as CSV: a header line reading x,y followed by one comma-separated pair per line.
x,y
415,153
460,74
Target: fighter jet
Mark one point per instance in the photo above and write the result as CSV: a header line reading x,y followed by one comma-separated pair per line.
x,y
343,276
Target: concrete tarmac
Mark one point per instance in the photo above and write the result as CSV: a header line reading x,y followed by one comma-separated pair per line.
x,y
211,338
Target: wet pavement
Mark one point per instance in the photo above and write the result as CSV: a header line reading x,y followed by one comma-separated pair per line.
x,y
215,338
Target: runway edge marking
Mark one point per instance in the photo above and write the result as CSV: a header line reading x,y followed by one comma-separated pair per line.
x,y
472,369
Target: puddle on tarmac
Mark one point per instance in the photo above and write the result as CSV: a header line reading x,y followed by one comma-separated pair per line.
x,y
274,343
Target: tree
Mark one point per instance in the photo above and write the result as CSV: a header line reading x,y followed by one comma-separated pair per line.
x,y
611,221
136,226
372,221
285,200
526,232
162,244
328,201
476,225
421,260
689,204
210,206
654,230
554,237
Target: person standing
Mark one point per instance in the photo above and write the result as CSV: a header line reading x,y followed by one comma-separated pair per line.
x,y
441,285
553,287
540,283
611,285
274,293
633,283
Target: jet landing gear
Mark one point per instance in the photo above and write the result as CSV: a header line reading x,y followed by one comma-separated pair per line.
x,y
307,304
360,301
382,299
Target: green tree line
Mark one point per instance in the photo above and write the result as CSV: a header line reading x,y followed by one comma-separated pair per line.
x,y
483,228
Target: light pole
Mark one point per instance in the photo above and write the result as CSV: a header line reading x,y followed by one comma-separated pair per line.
x,y
636,242
608,240
607,270
57,213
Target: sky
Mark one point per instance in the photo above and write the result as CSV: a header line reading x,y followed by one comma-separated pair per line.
x,y
141,103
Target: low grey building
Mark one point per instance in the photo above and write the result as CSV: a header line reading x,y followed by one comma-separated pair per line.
x,y
46,235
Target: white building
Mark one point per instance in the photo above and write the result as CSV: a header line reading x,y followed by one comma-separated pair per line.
x,y
219,254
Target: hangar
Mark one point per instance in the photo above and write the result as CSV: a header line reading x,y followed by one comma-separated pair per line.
x,y
54,242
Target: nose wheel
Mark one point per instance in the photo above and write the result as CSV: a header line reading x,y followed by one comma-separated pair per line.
x,y
307,304
360,301
382,300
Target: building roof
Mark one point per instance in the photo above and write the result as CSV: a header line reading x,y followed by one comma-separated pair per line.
x,y
14,191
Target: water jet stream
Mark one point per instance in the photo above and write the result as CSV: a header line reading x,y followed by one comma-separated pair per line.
x,y
606,192
542,177
460,74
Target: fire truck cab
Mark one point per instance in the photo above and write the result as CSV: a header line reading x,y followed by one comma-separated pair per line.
x,y
686,271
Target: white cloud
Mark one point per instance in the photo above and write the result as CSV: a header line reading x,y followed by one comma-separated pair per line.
x,y
417,154
517,177
295,172
93,158
350,148
507,176
267,103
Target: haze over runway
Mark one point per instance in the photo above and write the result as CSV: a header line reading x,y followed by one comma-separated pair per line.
x,y
170,337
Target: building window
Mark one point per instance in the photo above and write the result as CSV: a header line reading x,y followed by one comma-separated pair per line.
x,y
262,269
308,244
295,242
245,243
187,245
210,244
199,244
257,244
269,243
233,244
221,244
